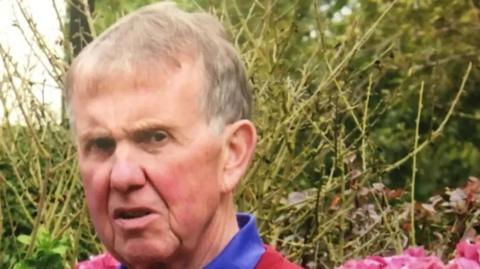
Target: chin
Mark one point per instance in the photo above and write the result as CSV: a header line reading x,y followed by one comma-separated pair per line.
x,y
145,254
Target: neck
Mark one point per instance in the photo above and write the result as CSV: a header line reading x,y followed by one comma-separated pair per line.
x,y
217,234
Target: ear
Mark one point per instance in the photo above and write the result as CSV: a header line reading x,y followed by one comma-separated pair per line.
x,y
241,138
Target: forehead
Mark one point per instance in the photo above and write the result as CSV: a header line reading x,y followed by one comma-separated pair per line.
x,y
126,96
94,76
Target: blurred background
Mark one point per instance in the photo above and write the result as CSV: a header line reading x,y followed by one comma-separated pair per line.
x,y
368,113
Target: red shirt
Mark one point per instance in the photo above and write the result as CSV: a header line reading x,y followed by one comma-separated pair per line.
x,y
271,259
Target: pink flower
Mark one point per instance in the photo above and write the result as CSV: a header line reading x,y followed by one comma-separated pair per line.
x,y
103,261
462,263
414,258
415,252
468,250
364,264
467,257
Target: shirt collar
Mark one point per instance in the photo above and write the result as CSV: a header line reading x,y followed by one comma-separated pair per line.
x,y
243,251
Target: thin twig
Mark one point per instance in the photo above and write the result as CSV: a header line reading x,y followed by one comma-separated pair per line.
x,y
414,166
437,132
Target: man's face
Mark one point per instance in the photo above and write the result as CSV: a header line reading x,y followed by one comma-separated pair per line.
x,y
151,166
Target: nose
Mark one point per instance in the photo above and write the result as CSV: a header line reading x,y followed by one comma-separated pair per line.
x,y
126,175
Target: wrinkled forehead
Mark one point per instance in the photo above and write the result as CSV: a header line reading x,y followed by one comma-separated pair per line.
x,y
95,75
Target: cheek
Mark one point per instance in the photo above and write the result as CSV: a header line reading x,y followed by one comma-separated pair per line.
x,y
95,184
176,187
189,190
96,188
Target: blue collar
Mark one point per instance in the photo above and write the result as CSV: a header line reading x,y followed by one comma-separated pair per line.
x,y
243,251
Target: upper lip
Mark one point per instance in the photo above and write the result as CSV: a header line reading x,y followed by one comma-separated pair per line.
x,y
122,212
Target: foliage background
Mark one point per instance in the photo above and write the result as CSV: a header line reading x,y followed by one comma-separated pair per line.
x,y
368,115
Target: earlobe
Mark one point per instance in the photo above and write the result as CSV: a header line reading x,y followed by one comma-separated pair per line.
x,y
240,145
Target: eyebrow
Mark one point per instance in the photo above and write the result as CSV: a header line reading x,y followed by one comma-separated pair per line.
x,y
146,125
138,128
94,132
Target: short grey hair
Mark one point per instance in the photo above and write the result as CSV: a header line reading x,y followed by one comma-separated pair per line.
x,y
155,35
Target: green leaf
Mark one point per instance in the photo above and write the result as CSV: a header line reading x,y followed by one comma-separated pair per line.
x,y
24,239
61,250
22,265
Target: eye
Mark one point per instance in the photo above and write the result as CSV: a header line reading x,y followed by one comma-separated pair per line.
x,y
152,137
103,144
158,136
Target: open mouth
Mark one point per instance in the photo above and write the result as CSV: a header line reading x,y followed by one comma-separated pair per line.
x,y
131,213
134,219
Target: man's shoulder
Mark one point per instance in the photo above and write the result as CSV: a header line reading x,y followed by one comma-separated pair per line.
x,y
273,259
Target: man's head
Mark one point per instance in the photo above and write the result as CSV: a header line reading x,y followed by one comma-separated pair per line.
x,y
160,106
156,36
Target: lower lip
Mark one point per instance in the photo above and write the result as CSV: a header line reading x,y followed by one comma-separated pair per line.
x,y
135,223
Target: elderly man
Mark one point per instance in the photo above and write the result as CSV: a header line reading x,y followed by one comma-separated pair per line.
x,y
160,107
